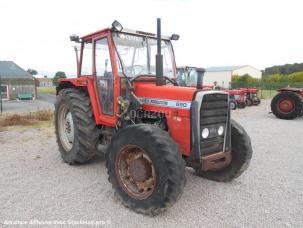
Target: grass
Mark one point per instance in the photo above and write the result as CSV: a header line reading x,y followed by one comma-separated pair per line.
x,y
267,94
49,90
25,119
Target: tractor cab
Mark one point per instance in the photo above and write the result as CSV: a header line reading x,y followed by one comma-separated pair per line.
x,y
120,52
112,59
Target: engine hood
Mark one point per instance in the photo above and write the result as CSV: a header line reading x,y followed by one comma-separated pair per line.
x,y
168,95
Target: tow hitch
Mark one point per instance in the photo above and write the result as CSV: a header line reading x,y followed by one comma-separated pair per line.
x,y
215,161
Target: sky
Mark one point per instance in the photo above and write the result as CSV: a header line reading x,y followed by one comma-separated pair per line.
x,y
261,33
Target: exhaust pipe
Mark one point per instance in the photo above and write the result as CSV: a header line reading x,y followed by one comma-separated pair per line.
x,y
159,57
200,72
77,59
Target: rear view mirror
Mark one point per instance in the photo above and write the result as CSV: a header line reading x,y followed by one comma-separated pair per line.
x,y
74,38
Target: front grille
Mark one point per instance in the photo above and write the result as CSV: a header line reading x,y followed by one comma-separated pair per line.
x,y
213,114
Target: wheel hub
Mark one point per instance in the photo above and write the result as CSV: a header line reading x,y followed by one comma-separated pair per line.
x,y
286,105
140,169
69,127
66,128
135,172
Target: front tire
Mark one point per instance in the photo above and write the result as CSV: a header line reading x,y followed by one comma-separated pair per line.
x,y
233,105
76,131
145,168
287,105
241,151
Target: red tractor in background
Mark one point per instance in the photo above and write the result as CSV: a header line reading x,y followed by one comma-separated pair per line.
x,y
251,96
187,76
126,104
288,103
238,97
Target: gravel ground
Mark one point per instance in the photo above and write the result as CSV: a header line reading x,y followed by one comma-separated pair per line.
x,y
36,185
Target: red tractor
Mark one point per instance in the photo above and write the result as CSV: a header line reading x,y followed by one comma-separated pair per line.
x,y
251,96
288,103
126,104
238,96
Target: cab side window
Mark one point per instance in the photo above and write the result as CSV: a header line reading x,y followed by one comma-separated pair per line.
x,y
103,64
104,76
87,59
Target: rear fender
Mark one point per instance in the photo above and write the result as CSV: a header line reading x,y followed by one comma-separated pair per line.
x,y
87,84
294,90
71,83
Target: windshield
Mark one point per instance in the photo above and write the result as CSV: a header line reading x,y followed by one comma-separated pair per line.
x,y
138,55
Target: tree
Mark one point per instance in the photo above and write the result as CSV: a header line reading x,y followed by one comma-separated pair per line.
x,y
284,69
32,71
246,78
58,75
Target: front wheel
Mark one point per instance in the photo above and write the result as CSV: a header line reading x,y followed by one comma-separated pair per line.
x,y
145,168
241,152
233,105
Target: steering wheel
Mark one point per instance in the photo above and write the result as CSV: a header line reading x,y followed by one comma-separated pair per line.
x,y
172,81
134,69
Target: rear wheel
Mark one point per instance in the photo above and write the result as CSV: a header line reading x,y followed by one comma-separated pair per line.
x,y
287,105
241,152
248,102
145,168
256,101
76,130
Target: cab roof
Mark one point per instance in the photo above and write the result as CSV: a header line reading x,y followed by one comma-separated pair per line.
x,y
124,30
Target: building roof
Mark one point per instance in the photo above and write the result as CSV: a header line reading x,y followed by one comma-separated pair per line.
x,y
224,68
9,69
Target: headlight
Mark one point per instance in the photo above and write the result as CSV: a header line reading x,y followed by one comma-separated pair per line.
x,y
220,130
205,133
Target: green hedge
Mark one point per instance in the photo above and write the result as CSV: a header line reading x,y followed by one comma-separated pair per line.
x,y
268,82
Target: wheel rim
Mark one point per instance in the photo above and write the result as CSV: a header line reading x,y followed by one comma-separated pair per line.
x,y
286,105
232,105
66,128
135,172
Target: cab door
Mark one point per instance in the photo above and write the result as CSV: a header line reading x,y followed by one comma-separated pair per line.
x,y
105,79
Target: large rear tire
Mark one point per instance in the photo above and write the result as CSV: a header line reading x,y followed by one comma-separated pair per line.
x,y
287,105
145,168
241,151
76,131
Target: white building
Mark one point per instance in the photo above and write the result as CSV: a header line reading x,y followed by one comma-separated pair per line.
x,y
223,75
